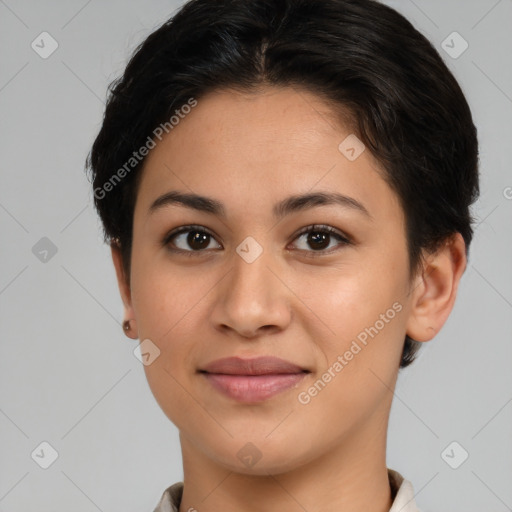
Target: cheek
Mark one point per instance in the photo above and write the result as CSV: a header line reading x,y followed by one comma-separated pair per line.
x,y
163,296
359,361
353,298
166,309
362,310
167,303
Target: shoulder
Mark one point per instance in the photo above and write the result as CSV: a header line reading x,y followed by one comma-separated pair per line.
x,y
171,499
402,492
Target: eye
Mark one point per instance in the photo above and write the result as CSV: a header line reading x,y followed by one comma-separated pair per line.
x,y
195,239
190,239
319,238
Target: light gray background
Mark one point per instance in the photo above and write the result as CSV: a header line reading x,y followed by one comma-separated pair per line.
x,y
68,374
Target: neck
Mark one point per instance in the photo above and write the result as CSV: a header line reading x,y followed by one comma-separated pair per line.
x,y
349,477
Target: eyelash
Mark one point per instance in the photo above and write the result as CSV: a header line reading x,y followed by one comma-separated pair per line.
x,y
314,228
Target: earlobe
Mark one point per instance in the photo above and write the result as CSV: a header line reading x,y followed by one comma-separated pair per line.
x,y
434,295
125,291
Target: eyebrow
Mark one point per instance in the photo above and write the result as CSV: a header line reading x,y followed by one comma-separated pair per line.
x,y
285,207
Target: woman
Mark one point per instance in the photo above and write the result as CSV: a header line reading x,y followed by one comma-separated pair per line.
x,y
285,186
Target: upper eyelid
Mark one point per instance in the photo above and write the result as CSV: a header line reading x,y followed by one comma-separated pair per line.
x,y
184,229
322,227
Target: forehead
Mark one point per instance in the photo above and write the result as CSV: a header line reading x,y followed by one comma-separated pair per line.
x,y
252,148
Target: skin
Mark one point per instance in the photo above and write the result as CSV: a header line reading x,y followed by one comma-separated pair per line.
x,y
250,151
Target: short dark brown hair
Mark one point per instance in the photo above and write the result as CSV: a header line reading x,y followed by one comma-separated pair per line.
x,y
360,55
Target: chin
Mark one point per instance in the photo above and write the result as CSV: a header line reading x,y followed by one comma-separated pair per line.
x,y
262,459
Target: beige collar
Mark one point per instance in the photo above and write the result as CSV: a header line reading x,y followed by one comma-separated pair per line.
x,y
401,489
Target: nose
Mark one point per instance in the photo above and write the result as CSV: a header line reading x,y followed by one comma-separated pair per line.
x,y
251,300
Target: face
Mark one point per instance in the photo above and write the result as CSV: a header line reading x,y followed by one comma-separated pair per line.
x,y
322,284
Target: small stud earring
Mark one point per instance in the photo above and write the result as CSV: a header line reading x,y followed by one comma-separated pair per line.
x,y
126,325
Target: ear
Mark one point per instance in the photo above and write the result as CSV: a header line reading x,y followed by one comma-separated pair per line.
x,y
124,289
434,292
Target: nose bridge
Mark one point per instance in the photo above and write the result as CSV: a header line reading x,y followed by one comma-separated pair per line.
x,y
251,297
250,276
250,279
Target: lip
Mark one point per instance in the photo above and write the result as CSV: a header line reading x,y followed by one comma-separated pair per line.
x,y
252,380
263,365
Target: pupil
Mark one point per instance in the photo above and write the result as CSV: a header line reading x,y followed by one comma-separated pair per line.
x,y
318,240
197,240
